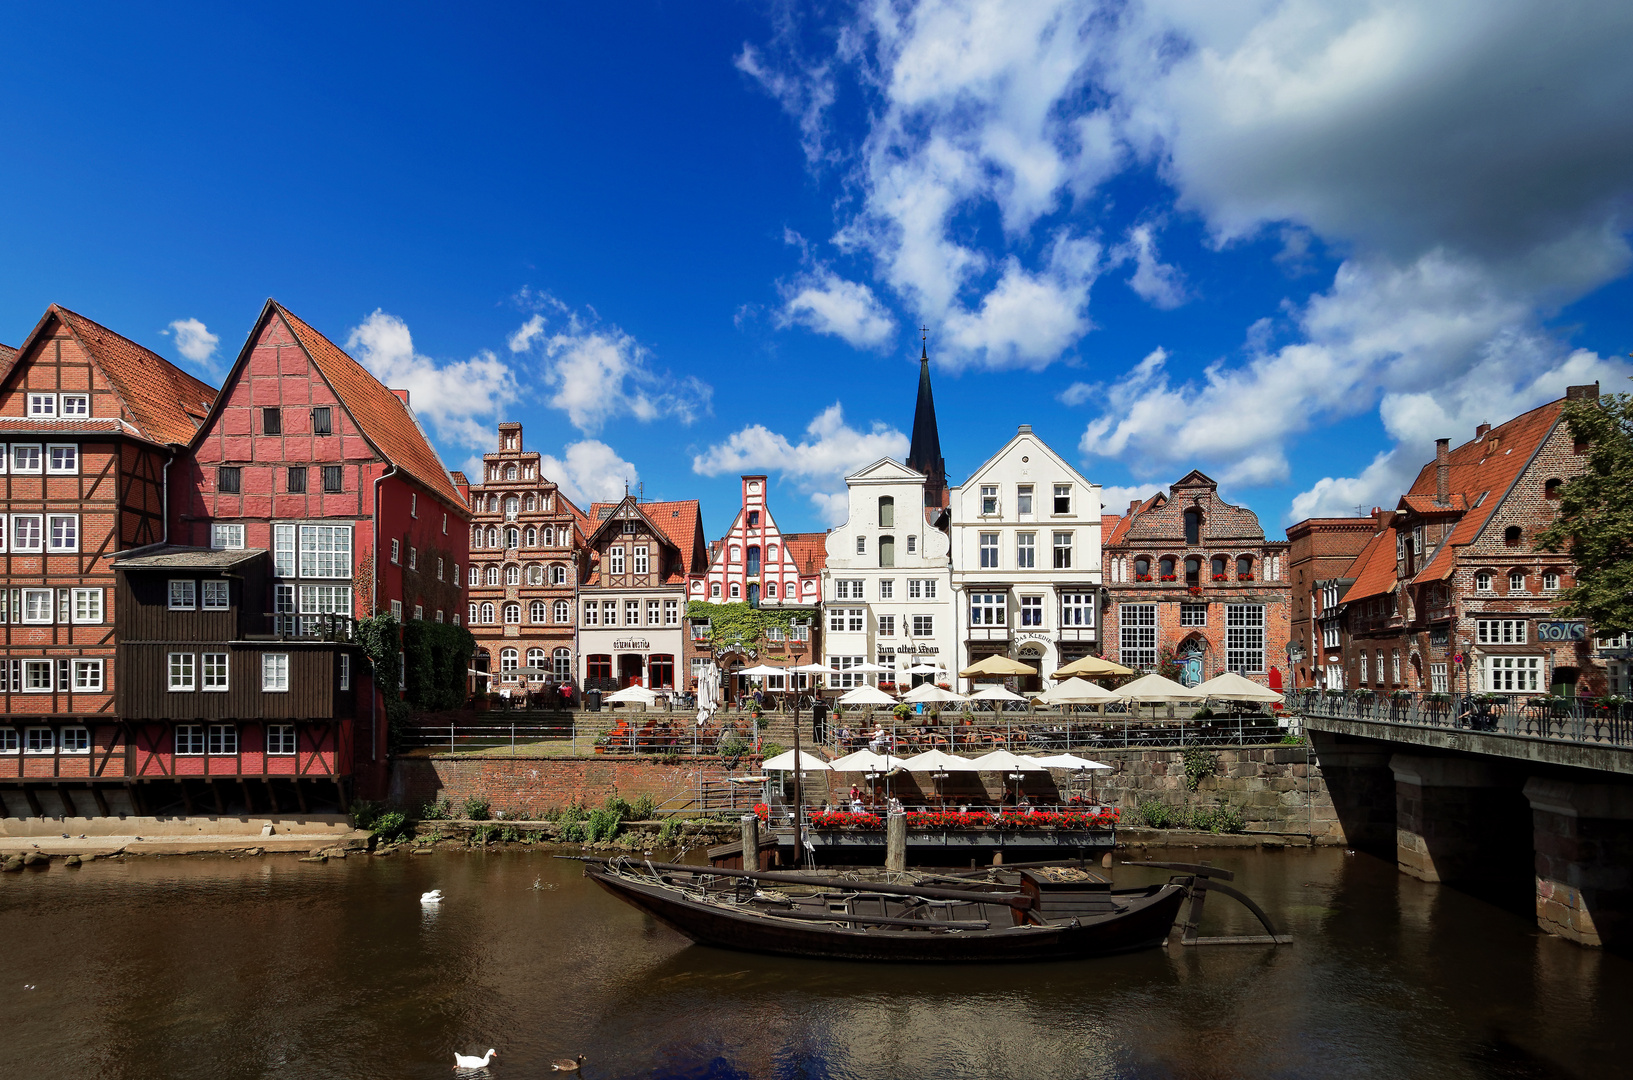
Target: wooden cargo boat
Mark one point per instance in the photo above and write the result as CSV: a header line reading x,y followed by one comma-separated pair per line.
x,y
1043,913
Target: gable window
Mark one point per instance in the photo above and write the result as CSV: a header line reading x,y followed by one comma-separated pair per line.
x,y
1063,498
76,405
1023,499
225,537
62,458
989,499
297,480
272,421
640,559
615,559
1482,581
1512,536
332,478
1063,551
753,519
736,591
228,479
42,405
1550,489
887,512
322,421
1193,526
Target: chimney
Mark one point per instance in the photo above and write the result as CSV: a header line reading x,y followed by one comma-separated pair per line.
x,y
1443,471
1480,432
1582,393
1133,505
1382,517
402,395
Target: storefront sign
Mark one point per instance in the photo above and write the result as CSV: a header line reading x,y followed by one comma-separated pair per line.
x,y
1573,630
632,645
1033,635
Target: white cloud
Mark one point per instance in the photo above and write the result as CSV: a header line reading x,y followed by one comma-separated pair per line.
x,y
597,372
193,340
818,463
1115,499
806,96
823,301
1157,283
462,399
590,471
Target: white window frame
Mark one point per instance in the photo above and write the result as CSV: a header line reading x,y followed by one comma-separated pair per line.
x,y
188,740
69,450
1137,635
215,596
1063,550
35,452
1245,639
182,668
37,677
88,677
39,607
74,405
62,533
329,553
641,559
74,739
1501,631
886,624
283,550
275,673
280,736
221,740
182,594
924,626
615,559
1026,551
987,546
42,405
989,609
989,500
1510,674
1030,610
214,676
226,536
22,525
1078,609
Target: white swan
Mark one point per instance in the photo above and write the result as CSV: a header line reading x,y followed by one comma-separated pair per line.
x,y
434,897
466,1061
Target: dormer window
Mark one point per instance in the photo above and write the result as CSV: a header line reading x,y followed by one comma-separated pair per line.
x,y
76,405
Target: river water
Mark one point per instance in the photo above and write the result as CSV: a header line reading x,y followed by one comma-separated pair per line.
x,y
267,967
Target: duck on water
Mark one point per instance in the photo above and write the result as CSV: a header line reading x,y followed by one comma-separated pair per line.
x,y
1023,913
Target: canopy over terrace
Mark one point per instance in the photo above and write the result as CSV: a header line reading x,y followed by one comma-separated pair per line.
x,y
930,692
1092,665
1233,687
996,666
784,762
1077,692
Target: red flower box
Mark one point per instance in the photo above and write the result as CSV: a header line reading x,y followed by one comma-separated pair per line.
x,y
1142,577
1220,577
1170,577
1244,577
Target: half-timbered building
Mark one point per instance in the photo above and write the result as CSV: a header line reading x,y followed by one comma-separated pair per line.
x,y
89,421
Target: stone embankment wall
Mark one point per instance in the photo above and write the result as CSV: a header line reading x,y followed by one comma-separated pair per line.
x,y
1277,789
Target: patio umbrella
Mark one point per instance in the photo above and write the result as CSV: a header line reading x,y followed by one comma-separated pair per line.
x,y
866,761
785,761
995,693
997,664
762,669
930,692
1069,761
1154,689
1077,692
939,761
1092,665
1233,687
866,695
1004,761
925,669
633,694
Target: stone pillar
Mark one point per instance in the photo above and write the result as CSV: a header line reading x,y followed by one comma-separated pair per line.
x,y
1461,821
1362,789
1584,860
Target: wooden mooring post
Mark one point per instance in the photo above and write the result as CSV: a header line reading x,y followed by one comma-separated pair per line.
x,y
896,842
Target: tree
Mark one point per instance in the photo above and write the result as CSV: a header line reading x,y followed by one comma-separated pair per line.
x,y
1595,523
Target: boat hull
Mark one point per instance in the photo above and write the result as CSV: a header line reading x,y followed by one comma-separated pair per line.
x,y
1143,920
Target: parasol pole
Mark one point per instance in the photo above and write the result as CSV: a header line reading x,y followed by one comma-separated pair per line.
x,y
799,850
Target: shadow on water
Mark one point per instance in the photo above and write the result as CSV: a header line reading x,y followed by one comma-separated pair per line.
x,y
270,968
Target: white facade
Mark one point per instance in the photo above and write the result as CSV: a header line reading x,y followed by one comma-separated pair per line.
x,y
1026,559
887,587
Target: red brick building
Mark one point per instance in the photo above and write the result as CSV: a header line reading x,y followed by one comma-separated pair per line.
x,y
1192,576
1450,593
90,420
306,455
1320,552
527,557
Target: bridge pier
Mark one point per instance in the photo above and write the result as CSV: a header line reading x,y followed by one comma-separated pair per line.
x,y
1462,822
1362,790
1584,860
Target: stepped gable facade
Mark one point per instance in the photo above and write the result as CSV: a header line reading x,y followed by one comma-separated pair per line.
x,y
88,421
527,558
887,590
756,563
632,604
1320,552
1450,593
309,458
1192,578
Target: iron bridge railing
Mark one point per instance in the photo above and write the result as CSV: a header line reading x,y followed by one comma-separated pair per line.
x,y
1569,720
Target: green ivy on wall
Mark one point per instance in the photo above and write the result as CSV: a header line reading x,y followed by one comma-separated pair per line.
x,y
435,657
739,626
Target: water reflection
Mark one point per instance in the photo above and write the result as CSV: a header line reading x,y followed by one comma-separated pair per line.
x,y
268,967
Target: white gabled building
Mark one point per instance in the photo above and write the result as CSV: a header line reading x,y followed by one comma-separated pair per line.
x,y
886,589
1025,531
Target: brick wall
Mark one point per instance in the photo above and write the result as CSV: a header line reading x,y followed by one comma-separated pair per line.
x,y
527,787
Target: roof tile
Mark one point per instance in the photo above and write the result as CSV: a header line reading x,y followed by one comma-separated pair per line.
x,y
166,403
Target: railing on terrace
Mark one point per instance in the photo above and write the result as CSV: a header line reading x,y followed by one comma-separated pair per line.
x,y
734,735
1607,721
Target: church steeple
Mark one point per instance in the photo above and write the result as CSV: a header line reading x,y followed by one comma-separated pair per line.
x,y
924,453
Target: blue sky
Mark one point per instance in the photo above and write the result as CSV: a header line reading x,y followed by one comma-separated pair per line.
x,y
1287,243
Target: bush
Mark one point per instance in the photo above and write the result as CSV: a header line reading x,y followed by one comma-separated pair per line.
x,y
366,813
733,747
441,810
1228,819
476,808
1199,763
772,749
391,825
571,818
482,834
1155,814
1200,818
644,808
669,831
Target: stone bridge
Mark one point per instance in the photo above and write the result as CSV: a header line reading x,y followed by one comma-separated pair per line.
x,y
1522,802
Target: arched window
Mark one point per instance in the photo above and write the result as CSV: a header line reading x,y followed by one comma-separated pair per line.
x,y
476,536
476,576
510,472
1516,581
513,575
736,592
512,506
535,575
714,588
563,611
1193,526
513,538
535,611
771,553
487,613
474,614
513,613
1166,565
753,567
887,512
549,537
532,535
558,575
1550,489
1482,581
493,504
1512,535
1218,566
531,503
493,536
507,661
1193,570
1142,568
1244,568
887,551
561,662
493,575
771,590
535,660
1550,580
754,594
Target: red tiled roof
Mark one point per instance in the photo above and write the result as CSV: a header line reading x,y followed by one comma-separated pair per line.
x,y
1457,502
1110,526
1119,532
90,423
1374,568
166,404
381,415
679,521
7,355
1473,473
808,550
